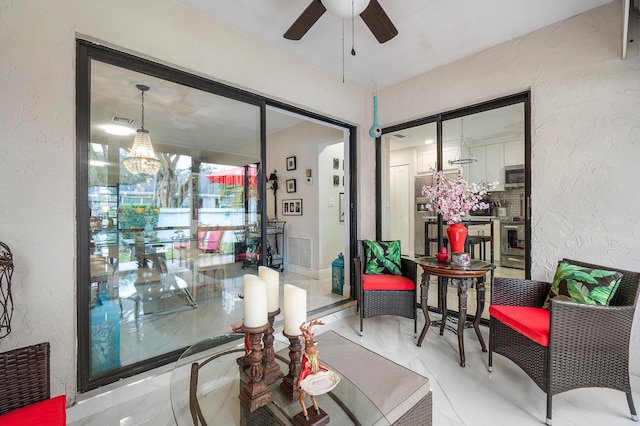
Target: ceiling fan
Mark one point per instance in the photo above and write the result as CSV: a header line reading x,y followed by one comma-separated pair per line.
x,y
369,10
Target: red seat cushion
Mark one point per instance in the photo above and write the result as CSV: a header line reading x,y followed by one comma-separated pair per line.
x,y
386,282
530,322
50,412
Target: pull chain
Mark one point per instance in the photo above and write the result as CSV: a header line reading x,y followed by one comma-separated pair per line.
x,y
353,31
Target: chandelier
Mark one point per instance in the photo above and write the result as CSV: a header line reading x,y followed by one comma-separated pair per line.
x,y
142,159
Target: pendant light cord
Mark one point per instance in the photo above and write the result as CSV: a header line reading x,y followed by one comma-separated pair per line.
x,y
142,124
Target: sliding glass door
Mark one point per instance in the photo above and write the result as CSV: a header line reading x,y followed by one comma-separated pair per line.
x,y
165,237
486,143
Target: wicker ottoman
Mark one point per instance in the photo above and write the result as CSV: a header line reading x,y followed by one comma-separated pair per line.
x,y
402,396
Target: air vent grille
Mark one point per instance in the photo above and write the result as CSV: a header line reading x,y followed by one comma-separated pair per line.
x,y
117,119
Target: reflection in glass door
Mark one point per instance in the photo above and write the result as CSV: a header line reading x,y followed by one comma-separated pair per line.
x,y
167,248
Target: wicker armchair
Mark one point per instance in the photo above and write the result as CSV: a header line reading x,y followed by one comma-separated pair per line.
x,y
588,346
371,303
24,388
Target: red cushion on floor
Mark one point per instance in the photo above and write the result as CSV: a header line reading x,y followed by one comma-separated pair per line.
x,y
50,412
386,282
530,322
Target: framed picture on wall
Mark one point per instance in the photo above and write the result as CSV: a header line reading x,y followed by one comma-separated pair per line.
x,y
292,207
341,207
336,180
291,163
336,163
291,185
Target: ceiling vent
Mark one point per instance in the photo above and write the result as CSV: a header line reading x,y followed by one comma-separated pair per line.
x,y
399,135
117,119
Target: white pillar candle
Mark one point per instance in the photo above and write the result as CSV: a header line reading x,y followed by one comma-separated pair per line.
x,y
255,301
295,309
272,277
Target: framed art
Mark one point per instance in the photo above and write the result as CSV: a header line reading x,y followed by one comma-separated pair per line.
x,y
291,185
341,207
291,163
336,180
336,163
292,207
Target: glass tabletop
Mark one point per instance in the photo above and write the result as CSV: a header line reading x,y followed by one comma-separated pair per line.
x,y
218,386
474,266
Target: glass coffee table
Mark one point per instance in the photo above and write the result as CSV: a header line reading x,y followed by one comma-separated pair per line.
x,y
211,367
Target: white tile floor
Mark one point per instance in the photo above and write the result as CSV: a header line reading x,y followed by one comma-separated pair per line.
x,y
461,396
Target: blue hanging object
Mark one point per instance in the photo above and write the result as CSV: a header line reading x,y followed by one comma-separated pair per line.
x,y
375,131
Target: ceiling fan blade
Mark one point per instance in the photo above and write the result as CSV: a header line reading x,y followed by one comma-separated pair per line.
x,y
305,21
378,22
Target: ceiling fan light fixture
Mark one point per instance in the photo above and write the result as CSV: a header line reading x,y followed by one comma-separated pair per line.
x,y
345,9
142,159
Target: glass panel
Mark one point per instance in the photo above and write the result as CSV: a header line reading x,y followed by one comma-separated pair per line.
x,y
167,249
486,147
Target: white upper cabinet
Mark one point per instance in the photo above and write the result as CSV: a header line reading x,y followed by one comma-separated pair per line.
x,y
426,161
514,153
489,167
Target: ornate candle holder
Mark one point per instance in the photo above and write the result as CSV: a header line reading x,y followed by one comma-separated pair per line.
x,y
255,393
272,370
289,383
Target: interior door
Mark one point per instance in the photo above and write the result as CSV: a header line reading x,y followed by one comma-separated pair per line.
x,y
399,209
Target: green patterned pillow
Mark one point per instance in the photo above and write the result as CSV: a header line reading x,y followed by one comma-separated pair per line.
x,y
382,257
583,285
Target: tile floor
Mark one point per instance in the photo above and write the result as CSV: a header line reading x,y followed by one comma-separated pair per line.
x,y
461,396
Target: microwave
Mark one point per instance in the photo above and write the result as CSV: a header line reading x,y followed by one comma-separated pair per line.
x,y
514,177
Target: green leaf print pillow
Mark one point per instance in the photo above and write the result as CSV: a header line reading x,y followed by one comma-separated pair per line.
x,y
382,257
583,285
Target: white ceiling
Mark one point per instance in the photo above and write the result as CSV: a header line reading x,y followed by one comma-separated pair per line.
x,y
432,33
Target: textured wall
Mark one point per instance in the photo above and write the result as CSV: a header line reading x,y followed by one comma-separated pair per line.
x,y
585,134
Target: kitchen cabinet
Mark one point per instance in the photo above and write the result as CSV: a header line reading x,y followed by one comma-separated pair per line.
x,y
514,153
489,167
450,154
426,161
494,166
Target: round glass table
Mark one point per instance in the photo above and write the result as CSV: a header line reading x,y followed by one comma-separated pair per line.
x,y
206,382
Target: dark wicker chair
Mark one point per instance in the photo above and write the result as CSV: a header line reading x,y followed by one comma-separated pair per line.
x,y
25,377
386,302
588,345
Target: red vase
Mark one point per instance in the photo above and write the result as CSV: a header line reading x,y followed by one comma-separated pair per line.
x,y
457,234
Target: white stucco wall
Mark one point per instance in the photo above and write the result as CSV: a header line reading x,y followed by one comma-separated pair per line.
x,y
585,134
585,140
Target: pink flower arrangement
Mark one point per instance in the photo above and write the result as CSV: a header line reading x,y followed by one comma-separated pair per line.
x,y
452,198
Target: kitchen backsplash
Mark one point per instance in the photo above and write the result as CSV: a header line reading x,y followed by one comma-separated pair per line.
x,y
512,200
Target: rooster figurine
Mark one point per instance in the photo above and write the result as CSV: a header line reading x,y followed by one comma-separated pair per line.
x,y
443,255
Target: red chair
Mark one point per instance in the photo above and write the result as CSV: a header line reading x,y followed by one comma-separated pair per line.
x,y
210,243
386,294
570,346
24,389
